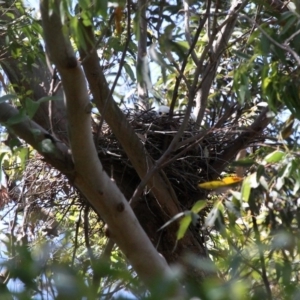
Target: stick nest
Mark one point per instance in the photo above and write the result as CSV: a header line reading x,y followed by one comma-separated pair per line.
x,y
188,165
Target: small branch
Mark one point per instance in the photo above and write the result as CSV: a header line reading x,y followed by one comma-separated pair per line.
x,y
291,37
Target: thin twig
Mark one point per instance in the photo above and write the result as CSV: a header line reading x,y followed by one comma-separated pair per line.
x,y
291,37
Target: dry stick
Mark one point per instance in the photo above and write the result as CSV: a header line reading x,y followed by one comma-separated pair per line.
x,y
241,141
191,91
119,70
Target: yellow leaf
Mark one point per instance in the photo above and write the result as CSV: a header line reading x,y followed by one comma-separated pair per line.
x,y
226,182
211,185
232,179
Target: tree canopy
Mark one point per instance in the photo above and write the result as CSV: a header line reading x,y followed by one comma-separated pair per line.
x,y
150,147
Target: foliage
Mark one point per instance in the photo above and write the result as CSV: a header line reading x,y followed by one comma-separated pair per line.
x,y
239,93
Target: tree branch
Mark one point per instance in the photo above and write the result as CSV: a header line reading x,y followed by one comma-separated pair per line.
x,y
135,150
91,179
218,48
54,152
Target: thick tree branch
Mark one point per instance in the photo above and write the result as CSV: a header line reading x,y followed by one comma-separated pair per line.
x,y
135,150
93,182
54,152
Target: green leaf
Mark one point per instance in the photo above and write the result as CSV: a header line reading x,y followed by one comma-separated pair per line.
x,y
246,188
266,82
241,54
31,107
198,206
23,155
129,71
274,157
265,44
184,225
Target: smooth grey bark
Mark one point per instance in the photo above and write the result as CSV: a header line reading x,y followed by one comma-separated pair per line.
x,y
90,177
